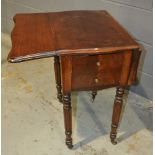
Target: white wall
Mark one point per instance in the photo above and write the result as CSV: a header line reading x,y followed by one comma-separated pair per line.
x,y
134,15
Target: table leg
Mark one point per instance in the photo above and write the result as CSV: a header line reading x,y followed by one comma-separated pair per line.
x,y
116,113
94,93
68,119
58,77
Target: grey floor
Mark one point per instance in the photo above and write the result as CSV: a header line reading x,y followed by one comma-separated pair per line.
x,y
32,118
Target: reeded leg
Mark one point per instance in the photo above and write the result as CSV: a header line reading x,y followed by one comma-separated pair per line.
x,y
94,93
68,119
116,113
58,77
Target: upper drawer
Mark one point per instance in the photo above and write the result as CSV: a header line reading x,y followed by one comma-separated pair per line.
x,y
91,72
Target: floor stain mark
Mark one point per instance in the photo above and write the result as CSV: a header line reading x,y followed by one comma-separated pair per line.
x,y
36,140
131,147
28,89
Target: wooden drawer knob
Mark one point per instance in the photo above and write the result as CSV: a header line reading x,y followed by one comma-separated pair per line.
x,y
96,80
98,63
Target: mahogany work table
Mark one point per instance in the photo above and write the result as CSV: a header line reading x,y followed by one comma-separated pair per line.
x,y
91,52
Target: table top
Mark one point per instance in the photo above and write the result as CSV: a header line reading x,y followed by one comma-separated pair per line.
x,y
39,35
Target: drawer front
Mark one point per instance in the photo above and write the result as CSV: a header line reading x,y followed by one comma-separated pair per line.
x,y
96,71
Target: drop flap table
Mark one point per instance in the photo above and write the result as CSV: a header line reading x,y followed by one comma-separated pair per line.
x,y
91,52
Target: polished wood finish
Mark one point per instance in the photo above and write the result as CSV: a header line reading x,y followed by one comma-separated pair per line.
x,y
66,69
66,73
39,35
68,119
31,38
116,113
91,52
87,75
134,66
58,77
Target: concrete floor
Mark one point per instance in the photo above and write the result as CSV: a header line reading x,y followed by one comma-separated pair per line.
x,y
32,118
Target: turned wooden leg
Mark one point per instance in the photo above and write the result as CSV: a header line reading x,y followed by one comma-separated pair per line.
x,y
116,113
58,77
68,119
94,93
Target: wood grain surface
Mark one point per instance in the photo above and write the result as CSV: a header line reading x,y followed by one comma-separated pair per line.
x,y
91,52
39,35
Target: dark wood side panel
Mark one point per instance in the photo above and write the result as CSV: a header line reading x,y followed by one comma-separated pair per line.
x,y
126,67
134,66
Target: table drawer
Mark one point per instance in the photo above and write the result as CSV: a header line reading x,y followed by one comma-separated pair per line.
x,y
96,71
